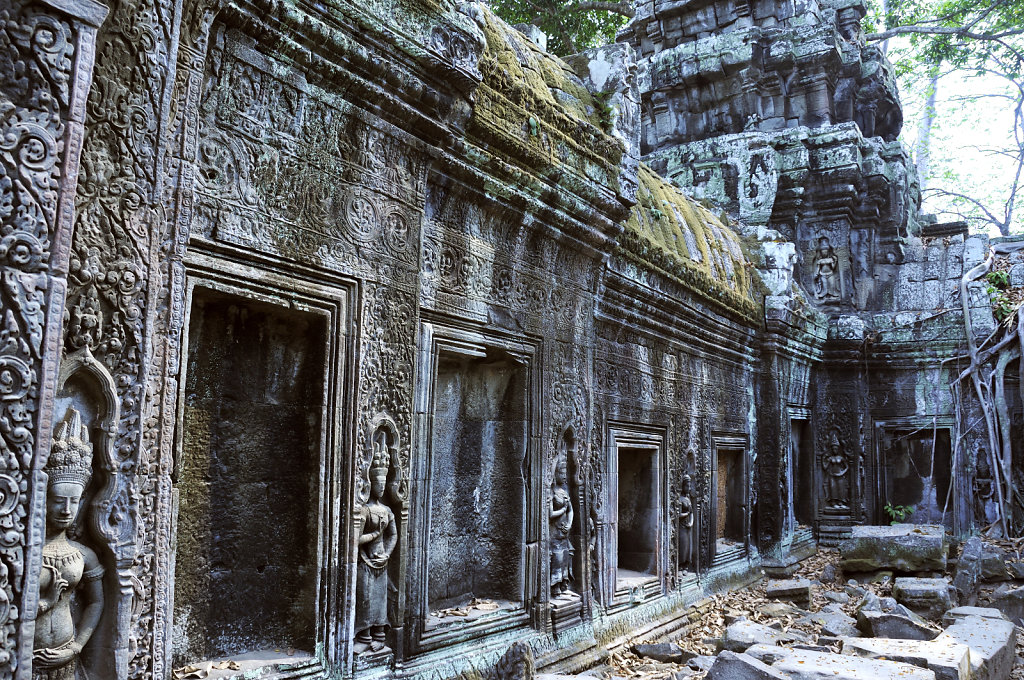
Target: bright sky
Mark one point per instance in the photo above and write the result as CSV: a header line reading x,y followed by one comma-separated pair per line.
x,y
972,121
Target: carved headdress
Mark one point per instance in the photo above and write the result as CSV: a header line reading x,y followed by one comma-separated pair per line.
x,y
71,453
381,461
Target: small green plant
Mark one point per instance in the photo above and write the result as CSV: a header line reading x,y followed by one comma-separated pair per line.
x,y
656,214
1002,307
999,279
898,513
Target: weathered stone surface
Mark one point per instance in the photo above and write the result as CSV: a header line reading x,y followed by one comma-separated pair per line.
x,y
797,591
957,613
806,665
992,642
839,597
1016,570
993,564
743,633
1010,601
768,654
663,651
968,571
701,662
733,666
900,547
927,597
836,624
949,661
895,624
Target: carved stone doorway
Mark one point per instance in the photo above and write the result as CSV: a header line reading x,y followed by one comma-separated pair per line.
x,y
248,479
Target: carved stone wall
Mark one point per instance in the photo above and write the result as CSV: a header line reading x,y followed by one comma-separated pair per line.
x,y
432,187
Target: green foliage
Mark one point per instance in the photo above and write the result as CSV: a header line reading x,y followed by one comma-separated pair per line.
x,y
569,28
1002,306
959,33
898,513
999,279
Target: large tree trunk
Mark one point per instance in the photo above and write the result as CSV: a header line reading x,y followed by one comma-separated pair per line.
x,y
922,150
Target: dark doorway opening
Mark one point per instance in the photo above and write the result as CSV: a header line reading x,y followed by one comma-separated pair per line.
x,y
639,516
917,472
248,479
729,495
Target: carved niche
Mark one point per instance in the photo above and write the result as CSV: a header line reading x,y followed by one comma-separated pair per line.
x,y
109,511
379,514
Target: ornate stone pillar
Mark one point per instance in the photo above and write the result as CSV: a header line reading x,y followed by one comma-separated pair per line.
x,y
46,58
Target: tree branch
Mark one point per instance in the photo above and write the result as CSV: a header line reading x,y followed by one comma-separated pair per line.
x,y
958,31
625,7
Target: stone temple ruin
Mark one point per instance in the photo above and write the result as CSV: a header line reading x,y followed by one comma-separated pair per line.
x,y
369,340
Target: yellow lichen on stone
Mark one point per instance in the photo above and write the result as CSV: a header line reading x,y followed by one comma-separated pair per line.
x,y
673,232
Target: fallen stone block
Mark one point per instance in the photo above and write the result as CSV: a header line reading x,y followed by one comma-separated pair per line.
x,y
1011,603
992,645
949,661
900,547
993,564
968,571
701,662
839,597
797,591
733,666
663,651
957,613
806,665
835,624
927,597
895,624
768,654
744,633
1016,570
780,609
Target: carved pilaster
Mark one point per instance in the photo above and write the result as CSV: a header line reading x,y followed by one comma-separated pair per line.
x,y
48,55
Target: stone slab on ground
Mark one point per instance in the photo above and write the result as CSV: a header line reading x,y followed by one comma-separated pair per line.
x,y
663,651
894,624
835,624
927,597
805,665
948,660
992,644
768,654
743,633
797,591
957,613
733,666
900,547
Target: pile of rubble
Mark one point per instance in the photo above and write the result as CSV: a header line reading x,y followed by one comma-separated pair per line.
x,y
890,604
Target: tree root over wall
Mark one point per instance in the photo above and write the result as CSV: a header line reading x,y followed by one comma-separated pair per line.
x,y
989,361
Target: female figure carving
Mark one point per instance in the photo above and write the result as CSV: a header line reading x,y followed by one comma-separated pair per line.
x,y
376,543
837,469
69,568
685,525
561,517
826,271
